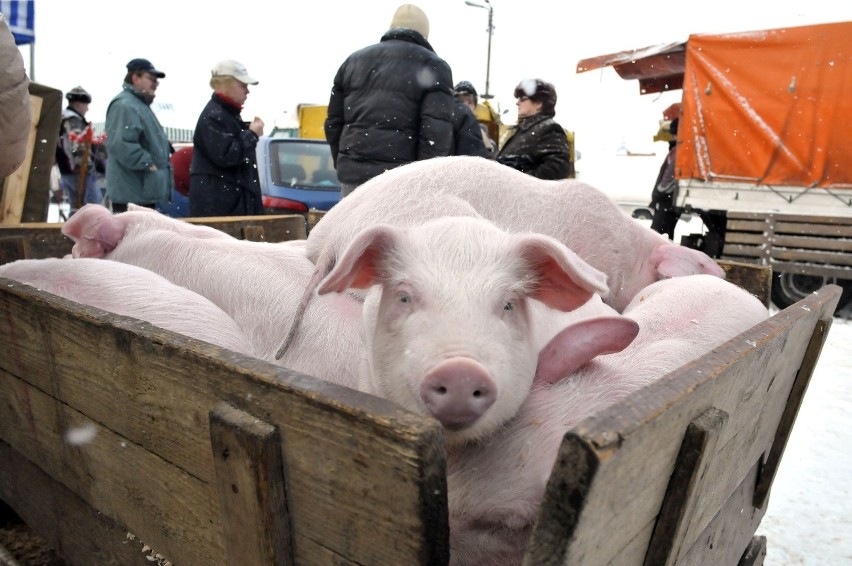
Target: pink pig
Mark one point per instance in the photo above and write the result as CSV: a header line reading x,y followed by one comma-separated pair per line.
x,y
257,283
447,324
583,218
132,291
496,487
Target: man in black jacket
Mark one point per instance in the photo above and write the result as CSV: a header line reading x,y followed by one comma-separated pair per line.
x,y
391,103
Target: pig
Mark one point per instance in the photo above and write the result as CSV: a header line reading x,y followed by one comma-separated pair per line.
x,y
495,488
132,291
446,318
258,284
580,216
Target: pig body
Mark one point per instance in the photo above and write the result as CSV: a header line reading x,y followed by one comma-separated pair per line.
x,y
258,284
132,291
447,324
583,218
496,487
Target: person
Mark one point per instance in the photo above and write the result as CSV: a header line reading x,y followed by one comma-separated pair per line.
x,y
471,136
537,145
664,194
78,154
223,173
138,170
391,103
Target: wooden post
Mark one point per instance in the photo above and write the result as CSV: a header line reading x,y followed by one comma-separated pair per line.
x,y
250,481
685,487
15,185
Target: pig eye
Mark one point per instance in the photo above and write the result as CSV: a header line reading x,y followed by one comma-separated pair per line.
x,y
509,306
404,299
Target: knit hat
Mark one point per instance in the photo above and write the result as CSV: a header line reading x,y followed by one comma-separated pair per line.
x,y
78,94
409,16
466,87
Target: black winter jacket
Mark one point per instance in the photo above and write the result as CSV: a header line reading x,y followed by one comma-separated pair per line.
x,y
223,174
466,132
391,104
538,147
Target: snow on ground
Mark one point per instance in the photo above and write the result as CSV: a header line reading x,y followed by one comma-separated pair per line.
x,y
809,518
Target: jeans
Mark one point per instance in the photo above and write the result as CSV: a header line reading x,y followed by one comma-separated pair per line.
x,y
92,194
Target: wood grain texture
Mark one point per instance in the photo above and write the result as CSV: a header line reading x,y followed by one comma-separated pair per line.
x,y
45,239
365,480
628,451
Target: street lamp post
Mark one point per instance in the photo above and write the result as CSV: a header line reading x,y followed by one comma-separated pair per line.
x,y
490,31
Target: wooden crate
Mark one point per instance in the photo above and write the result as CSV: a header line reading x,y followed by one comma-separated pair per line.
x,y
45,239
211,457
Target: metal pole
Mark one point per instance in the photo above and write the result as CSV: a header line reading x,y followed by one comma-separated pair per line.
x,y
488,94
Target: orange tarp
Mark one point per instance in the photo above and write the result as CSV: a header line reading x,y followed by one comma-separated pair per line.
x,y
771,107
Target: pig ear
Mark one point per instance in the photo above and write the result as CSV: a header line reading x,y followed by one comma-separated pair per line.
x,y
671,260
579,343
94,230
359,266
565,280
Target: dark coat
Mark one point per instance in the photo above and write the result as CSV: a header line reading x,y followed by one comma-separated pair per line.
x,y
467,134
538,147
223,173
391,104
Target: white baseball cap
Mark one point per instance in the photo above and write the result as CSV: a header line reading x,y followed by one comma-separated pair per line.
x,y
231,68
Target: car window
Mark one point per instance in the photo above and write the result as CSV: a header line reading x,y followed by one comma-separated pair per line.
x,y
304,164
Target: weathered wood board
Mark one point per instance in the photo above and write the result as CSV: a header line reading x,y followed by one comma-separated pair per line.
x,y
205,454
45,239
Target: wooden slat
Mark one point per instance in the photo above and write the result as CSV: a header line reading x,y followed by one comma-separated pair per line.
x,y
685,487
247,453
754,278
757,226
613,468
797,218
15,185
828,244
77,531
812,256
359,469
45,239
12,249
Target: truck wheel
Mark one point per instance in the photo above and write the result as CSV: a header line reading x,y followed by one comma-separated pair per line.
x,y
788,288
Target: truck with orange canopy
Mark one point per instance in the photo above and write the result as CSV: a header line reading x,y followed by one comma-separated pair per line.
x,y
765,146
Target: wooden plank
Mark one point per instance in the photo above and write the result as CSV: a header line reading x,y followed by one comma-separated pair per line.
x,y
45,239
755,553
812,256
742,251
729,535
757,226
744,238
12,249
685,486
754,278
314,216
80,533
791,410
247,455
613,468
797,218
829,244
15,185
359,469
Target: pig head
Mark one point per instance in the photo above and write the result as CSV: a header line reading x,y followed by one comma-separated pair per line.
x,y
447,328
496,487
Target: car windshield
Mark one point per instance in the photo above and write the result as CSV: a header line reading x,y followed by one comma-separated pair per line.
x,y
304,164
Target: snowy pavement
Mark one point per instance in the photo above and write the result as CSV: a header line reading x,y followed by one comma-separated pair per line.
x,y
809,518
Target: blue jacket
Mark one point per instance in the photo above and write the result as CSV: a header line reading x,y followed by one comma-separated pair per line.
x,y
135,141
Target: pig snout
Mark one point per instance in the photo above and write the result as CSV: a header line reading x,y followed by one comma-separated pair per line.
x,y
457,392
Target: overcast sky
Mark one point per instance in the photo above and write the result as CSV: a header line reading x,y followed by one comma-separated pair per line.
x,y
295,48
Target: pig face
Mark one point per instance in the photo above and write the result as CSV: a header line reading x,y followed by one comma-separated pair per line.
x,y
447,325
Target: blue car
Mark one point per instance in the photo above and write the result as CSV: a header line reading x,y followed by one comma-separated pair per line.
x,y
296,175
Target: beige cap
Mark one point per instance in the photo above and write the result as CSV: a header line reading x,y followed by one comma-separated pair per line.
x,y
409,16
231,68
